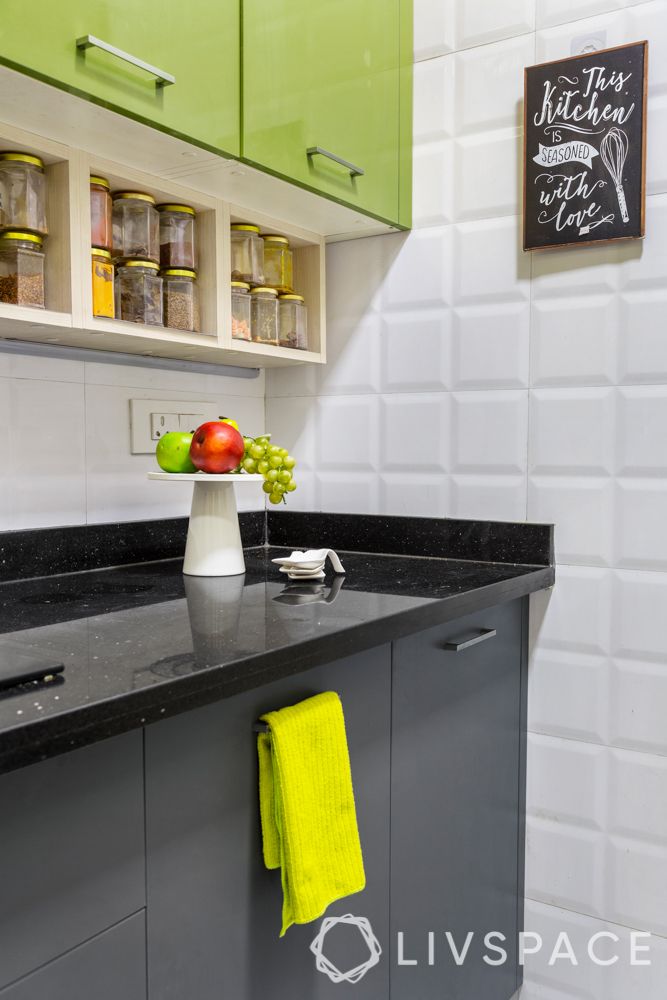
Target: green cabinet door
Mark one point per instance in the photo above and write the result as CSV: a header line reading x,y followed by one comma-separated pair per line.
x,y
196,43
326,74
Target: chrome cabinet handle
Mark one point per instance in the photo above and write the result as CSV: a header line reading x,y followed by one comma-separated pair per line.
x,y
162,79
455,645
318,151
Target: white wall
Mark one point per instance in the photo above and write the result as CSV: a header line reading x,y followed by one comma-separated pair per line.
x,y
65,428
468,378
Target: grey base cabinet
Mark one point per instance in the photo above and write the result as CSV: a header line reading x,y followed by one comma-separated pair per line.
x,y
112,966
214,911
457,806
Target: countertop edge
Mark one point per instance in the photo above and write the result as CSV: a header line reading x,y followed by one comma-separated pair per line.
x,y
48,737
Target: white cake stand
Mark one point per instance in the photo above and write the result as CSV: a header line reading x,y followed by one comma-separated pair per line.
x,y
214,545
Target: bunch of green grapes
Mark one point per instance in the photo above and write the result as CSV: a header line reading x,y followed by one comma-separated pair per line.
x,y
275,464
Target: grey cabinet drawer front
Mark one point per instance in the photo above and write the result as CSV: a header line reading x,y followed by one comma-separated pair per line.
x,y
214,910
456,804
110,967
72,858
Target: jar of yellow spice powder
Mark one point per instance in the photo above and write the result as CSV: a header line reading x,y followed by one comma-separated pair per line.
x,y
103,290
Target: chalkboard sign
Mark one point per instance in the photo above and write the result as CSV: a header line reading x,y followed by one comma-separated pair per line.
x,y
585,148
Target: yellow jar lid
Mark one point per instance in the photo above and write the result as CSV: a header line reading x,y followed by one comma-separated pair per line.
x,y
292,297
139,195
264,289
23,158
176,208
19,234
273,238
141,263
180,272
244,227
241,284
96,252
101,181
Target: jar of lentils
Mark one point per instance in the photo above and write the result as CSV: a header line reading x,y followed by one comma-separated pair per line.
x,y
21,269
181,299
139,292
241,310
277,263
247,253
136,227
264,315
22,193
177,236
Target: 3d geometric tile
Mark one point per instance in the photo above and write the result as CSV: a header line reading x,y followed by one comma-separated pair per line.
x,y
572,432
482,193
582,509
642,419
415,349
638,705
568,695
486,85
565,865
489,431
489,265
414,432
574,340
490,346
488,497
638,623
567,781
578,614
353,356
434,100
347,432
480,22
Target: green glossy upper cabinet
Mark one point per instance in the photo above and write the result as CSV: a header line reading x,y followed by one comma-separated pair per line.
x,y
196,43
332,75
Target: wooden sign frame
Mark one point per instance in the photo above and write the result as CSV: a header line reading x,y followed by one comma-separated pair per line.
x,y
603,187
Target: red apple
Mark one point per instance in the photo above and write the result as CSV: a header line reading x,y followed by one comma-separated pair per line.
x,y
216,447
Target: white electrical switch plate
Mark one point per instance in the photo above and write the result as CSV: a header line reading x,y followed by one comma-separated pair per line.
x,y
162,423
150,419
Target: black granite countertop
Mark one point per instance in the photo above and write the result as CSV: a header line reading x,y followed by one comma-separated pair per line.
x,y
142,642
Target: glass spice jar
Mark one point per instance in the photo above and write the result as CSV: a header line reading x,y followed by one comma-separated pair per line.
x,y
136,227
181,299
247,253
101,214
264,315
103,284
241,311
22,193
177,236
292,322
139,292
277,263
21,269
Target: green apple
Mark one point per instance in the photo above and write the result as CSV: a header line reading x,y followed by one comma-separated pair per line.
x,y
173,452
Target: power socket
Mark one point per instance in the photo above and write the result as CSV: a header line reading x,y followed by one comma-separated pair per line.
x,y
150,419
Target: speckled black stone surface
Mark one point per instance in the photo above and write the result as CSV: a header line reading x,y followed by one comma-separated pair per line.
x,y
43,552
447,538
140,643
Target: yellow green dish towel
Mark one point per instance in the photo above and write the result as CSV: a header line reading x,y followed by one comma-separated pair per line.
x,y
309,822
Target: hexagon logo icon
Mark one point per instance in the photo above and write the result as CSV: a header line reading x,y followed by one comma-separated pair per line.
x,y
326,966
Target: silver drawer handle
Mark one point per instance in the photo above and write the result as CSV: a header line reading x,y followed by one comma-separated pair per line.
x,y
162,79
455,645
318,151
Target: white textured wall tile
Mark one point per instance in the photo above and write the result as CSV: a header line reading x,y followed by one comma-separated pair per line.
x,y
642,342
413,433
489,82
484,193
565,865
479,22
642,419
38,367
491,497
572,432
574,340
291,425
434,100
414,495
641,534
353,356
489,264
638,705
46,453
415,351
420,275
556,42
566,781
552,12
638,625
344,492
347,432
434,27
490,346
578,615
582,507
433,184
638,796
489,432
568,695
636,884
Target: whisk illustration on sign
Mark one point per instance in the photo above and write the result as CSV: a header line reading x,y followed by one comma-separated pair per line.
x,y
613,151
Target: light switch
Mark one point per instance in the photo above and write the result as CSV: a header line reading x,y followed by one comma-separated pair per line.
x,y
163,423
